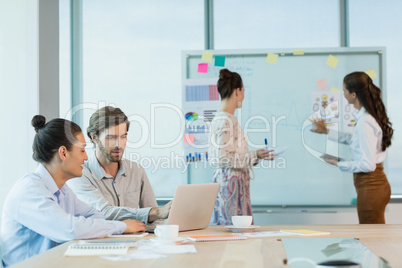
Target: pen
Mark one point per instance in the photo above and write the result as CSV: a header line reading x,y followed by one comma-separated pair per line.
x,y
266,144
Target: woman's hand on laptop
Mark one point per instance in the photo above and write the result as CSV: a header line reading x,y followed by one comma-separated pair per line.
x,y
159,213
134,226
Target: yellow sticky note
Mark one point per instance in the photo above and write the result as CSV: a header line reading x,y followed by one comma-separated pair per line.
x,y
371,73
332,61
272,58
334,89
297,52
207,56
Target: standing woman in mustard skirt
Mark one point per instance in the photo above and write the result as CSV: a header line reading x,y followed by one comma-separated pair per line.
x,y
372,136
229,153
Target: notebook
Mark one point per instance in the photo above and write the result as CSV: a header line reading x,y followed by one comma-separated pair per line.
x,y
96,249
207,238
305,232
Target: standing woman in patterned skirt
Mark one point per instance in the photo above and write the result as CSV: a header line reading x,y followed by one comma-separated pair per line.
x,y
372,136
229,153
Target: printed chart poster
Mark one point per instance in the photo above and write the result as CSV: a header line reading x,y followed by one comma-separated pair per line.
x,y
326,106
349,115
201,101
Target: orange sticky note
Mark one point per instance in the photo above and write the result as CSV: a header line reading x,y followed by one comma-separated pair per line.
x,y
322,84
188,138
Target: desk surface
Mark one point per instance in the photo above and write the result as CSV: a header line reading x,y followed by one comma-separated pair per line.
x,y
383,240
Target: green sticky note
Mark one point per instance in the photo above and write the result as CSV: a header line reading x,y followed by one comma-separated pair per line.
x,y
353,202
220,61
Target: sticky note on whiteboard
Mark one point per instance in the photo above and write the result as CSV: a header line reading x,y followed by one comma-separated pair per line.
x,y
334,89
332,61
298,52
272,58
220,61
371,73
203,68
188,138
322,84
207,56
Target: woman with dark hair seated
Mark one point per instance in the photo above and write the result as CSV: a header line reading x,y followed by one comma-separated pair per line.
x,y
40,211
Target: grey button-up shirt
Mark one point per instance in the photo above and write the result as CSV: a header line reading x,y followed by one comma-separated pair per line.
x,y
127,196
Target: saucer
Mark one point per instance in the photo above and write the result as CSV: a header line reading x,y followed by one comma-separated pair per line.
x,y
179,239
235,229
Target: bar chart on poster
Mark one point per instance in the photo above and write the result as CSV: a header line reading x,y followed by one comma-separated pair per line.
x,y
284,88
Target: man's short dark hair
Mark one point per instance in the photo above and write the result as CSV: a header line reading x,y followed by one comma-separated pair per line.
x,y
104,118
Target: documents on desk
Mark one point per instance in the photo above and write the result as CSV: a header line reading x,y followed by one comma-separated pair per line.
x,y
119,250
150,250
210,238
137,235
96,249
305,232
266,234
282,233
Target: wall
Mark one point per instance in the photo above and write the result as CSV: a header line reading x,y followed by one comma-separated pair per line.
x,y
18,88
29,81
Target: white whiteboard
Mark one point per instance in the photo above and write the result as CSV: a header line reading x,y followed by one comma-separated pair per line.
x,y
282,94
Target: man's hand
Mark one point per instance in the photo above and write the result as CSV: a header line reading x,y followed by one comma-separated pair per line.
x,y
159,213
134,226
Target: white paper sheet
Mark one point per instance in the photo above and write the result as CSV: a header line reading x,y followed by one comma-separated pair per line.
x,y
265,234
150,250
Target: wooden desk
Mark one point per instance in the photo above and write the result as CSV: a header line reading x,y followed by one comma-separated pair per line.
x,y
384,240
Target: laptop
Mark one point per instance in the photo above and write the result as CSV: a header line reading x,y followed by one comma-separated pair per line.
x,y
192,206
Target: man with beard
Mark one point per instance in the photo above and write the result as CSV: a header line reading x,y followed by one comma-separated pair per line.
x,y
117,187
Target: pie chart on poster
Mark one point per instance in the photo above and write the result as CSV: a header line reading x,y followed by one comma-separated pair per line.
x,y
191,116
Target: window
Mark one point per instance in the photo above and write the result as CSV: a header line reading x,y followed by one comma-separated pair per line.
x,y
276,24
374,24
132,59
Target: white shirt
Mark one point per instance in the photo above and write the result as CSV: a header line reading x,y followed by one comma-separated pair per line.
x,y
365,144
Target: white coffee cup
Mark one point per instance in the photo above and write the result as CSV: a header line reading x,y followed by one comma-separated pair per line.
x,y
242,221
167,232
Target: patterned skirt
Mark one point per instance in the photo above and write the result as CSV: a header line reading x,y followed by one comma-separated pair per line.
x,y
233,197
